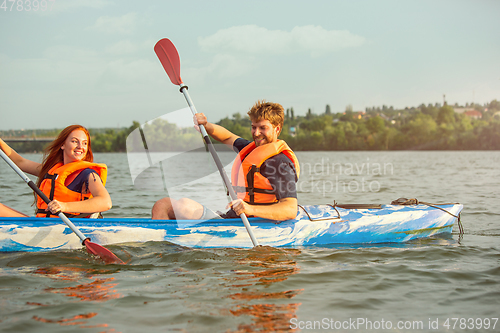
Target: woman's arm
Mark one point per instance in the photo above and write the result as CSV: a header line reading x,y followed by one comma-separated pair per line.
x,y
28,166
100,201
6,211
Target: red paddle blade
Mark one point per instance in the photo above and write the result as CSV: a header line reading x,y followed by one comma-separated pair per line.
x,y
103,253
169,58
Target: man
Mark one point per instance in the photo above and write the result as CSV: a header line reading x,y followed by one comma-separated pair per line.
x,y
264,174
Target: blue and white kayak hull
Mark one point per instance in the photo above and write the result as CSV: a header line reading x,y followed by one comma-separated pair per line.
x,y
314,225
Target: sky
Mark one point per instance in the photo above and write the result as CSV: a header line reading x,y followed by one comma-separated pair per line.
x,y
91,62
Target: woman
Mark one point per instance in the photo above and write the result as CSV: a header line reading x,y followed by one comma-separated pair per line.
x,y
67,176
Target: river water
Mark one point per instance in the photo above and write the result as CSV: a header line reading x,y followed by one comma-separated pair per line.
x,y
446,284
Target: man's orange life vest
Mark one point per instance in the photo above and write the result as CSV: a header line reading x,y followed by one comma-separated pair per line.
x,y
249,184
53,185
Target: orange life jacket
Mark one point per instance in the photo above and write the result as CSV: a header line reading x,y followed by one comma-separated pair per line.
x,y
53,185
249,184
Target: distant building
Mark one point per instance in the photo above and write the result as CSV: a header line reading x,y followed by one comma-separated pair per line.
x,y
358,114
473,114
462,110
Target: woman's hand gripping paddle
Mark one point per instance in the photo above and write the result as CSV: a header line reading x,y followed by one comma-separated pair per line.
x,y
106,255
169,58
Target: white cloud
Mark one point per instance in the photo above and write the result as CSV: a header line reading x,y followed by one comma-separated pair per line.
x,y
65,52
252,39
122,25
247,39
239,50
320,41
222,66
122,47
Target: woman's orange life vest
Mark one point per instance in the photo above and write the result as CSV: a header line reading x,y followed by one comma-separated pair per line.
x,y
54,187
249,184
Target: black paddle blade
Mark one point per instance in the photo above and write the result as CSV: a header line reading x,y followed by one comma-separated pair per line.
x,y
106,255
169,58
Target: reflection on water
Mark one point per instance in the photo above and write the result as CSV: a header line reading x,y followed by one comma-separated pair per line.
x,y
273,266
267,317
71,321
97,290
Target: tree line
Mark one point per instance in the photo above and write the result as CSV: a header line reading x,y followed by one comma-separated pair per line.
x,y
426,127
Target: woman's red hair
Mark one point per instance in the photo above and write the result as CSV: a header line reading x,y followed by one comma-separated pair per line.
x,y
53,154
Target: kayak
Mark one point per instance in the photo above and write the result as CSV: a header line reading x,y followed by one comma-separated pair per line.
x,y
314,225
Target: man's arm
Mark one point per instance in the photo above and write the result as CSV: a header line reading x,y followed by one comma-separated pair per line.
x,y
284,209
217,132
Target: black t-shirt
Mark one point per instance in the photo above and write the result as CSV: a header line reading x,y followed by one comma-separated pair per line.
x,y
279,169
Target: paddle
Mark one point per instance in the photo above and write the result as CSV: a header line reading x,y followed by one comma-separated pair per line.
x,y
106,255
169,58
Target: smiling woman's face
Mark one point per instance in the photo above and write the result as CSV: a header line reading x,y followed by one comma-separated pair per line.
x,y
75,147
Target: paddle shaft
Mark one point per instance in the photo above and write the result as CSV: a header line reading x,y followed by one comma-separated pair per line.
x,y
41,194
184,90
145,144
